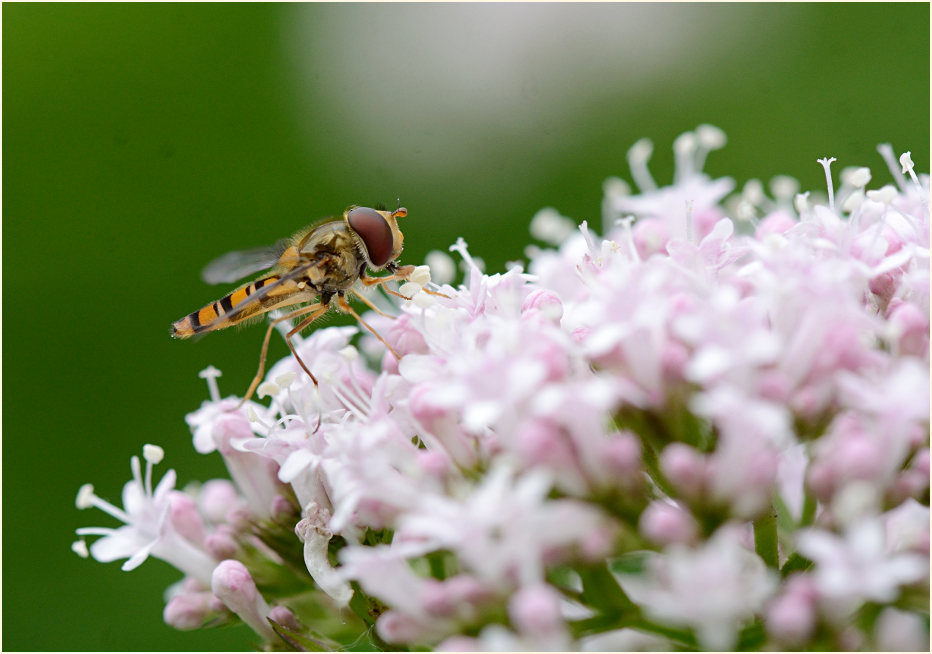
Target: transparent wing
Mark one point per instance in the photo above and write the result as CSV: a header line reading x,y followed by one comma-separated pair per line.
x,y
233,266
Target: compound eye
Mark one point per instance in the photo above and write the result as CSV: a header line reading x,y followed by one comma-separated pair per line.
x,y
375,232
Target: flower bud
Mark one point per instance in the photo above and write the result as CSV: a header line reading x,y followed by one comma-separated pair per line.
x,y
232,583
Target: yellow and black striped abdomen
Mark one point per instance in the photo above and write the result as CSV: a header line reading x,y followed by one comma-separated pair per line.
x,y
217,315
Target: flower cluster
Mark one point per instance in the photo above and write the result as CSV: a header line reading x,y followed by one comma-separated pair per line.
x,y
695,431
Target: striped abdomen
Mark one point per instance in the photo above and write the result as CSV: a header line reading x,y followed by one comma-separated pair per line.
x,y
217,315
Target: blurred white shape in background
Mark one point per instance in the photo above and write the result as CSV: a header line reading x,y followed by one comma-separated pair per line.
x,y
439,87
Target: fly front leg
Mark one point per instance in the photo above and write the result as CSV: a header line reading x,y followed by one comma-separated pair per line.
x,y
346,308
401,273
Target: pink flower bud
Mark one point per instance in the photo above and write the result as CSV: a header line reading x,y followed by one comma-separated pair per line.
x,y
777,222
544,304
240,518
622,455
435,464
283,616
665,524
685,468
650,236
885,285
217,496
282,508
673,361
396,627
911,327
542,442
232,583
535,610
187,611
790,620
185,518
597,544
221,545
436,599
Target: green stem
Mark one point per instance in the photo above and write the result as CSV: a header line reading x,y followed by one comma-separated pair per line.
x,y
765,538
809,509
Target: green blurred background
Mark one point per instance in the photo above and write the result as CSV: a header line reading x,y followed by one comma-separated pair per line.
x,y
142,140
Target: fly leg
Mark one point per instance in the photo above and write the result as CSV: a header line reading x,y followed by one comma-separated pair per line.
x,y
402,273
316,310
346,308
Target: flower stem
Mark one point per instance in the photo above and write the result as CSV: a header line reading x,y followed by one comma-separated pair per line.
x,y
765,538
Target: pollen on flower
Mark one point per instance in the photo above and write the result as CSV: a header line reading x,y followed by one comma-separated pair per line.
x,y
285,380
85,498
421,275
884,195
153,453
858,177
79,547
267,389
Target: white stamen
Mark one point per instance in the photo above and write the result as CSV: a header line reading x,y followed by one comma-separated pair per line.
x,y
461,248
210,374
423,300
420,275
746,212
684,151
349,353
615,187
753,192
410,289
856,177
853,201
801,202
153,453
906,161
784,187
85,498
285,380
550,226
884,195
711,137
886,151
266,389
442,267
626,225
79,547
689,220
590,243
827,165
251,414
638,156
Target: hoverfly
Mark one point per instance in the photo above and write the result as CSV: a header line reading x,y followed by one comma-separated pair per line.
x,y
316,268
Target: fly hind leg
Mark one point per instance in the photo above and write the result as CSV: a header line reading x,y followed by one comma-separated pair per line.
x,y
316,310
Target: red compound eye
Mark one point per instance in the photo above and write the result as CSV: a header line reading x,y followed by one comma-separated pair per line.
x,y
375,232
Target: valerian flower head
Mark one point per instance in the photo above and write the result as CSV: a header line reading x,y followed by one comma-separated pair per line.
x,y
707,427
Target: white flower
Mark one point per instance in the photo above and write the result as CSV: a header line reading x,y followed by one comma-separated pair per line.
x,y
713,588
859,566
146,528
